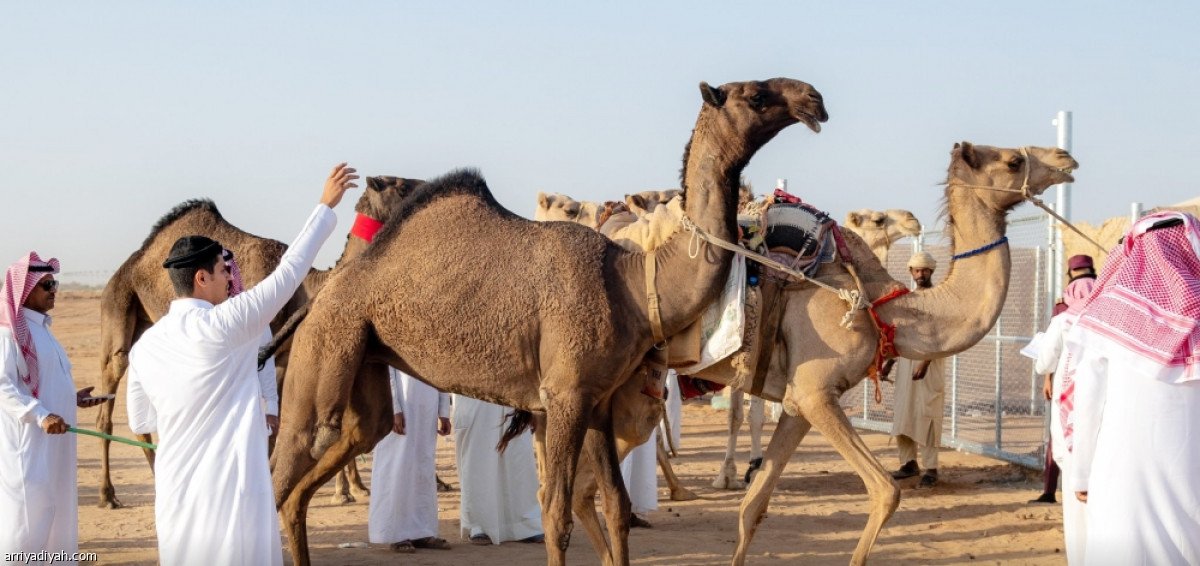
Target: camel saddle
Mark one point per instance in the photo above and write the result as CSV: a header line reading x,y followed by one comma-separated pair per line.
x,y
792,232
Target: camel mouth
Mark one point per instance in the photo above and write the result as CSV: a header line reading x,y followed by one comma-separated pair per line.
x,y
809,120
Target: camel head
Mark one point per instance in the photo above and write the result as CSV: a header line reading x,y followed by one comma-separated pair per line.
x,y
973,166
383,194
645,202
762,109
881,229
889,225
557,206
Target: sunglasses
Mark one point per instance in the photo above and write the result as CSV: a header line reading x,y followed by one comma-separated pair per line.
x,y
49,286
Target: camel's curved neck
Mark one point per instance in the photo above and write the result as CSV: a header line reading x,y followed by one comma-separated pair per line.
x,y
955,314
713,164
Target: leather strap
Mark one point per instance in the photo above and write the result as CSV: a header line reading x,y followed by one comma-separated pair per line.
x,y
652,300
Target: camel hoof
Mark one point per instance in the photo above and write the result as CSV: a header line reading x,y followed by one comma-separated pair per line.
x,y
360,492
113,503
325,437
728,483
683,494
341,499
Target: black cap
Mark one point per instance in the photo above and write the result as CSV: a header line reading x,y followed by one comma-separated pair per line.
x,y
190,251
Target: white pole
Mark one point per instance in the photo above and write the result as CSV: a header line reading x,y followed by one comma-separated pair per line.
x,y
1063,204
1135,213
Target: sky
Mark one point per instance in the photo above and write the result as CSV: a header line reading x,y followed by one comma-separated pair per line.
x,y
111,113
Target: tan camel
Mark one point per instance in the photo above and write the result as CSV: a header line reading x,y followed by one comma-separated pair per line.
x,y
814,360
540,316
881,229
139,293
556,206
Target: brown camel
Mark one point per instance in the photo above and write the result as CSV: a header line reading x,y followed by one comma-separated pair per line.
x,y
540,316
814,360
880,229
139,293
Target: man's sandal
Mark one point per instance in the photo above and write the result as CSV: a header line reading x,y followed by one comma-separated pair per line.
x,y
403,547
433,543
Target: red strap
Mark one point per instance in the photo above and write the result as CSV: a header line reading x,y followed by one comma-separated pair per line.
x,y
887,339
365,227
842,249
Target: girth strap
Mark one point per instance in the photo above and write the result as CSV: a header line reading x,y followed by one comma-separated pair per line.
x,y
652,300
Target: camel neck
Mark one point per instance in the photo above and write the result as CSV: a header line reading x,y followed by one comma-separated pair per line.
x,y
954,315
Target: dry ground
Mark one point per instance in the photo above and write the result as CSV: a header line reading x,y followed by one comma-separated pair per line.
x,y
977,515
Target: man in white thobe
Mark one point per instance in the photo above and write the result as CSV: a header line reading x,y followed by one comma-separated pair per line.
x,y
193,379
1131,394
920,398
38,488
499,490
1051,361
403,509
640,472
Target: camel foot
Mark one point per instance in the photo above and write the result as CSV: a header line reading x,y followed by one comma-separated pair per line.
x,y
683,494
325,437
755,464
360,492
341,499
728,483
108,499
443,486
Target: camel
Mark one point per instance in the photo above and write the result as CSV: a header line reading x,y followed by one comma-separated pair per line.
x,y
563,322
814,360
139,293
879,230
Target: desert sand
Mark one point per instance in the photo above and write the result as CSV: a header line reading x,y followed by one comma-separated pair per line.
x,y
978,514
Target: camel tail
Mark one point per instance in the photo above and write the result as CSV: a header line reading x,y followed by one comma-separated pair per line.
x,y
284,334
518,422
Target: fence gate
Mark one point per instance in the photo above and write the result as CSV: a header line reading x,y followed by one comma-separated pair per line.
x,y
994,405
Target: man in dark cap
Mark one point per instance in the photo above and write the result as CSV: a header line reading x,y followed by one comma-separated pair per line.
x,y
1080,266
193,379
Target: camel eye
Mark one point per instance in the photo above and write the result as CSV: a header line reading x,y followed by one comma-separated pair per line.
x,y
756,100
1015,163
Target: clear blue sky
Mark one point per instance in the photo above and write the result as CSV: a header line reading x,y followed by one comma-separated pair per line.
x,y
113,112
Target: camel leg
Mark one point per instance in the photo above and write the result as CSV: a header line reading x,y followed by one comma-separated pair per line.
x,y
116,338
823,411
784,441
583,502
600,446
678,492
757,419
566,423
341,489
293,513
666,431
357,487
727,478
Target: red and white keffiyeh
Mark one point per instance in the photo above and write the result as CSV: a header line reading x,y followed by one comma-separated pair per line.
x,y
1146,303
18,283
234,273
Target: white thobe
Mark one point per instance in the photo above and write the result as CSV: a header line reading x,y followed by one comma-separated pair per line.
x,y
919,407
674,412
1137,454
403,502
640,472
1051,360
499,491
267,384
38,489
193,378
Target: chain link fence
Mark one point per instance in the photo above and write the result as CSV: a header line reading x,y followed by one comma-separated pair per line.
x,y
994,405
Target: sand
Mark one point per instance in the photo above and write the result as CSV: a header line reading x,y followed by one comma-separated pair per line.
x,y
977,514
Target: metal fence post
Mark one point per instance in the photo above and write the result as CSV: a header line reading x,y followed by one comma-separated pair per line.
x,y
999,382
954,396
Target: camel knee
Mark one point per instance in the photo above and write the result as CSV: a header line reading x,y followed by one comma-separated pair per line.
x,y
326,436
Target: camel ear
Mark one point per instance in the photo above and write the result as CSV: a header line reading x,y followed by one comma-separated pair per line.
x,y
374,183
543,200
714,97
852,219
967,152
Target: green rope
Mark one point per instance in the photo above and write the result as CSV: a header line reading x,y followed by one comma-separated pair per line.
x,y
111,437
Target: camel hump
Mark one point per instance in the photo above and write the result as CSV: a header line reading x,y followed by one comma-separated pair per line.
x,y
459,182
181,210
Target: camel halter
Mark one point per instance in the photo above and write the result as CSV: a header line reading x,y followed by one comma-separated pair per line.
x,y
1024,190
